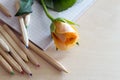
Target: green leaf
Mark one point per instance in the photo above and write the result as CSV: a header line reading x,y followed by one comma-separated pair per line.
x,y
70,22
25,7
49,3
60,19
52,27
59,5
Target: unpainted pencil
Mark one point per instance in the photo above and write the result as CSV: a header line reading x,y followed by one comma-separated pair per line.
x,y
4,46
49,59
4,10
23,27
13,44
5,65
31,57
17,57
11,61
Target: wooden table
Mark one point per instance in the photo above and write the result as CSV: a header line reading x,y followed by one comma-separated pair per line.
x,y
97,57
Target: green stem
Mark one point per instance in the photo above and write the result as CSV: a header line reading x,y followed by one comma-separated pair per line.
x,y
46,11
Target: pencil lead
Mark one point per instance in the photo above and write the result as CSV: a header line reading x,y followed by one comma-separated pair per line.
x,y
38,65
12,73
9,52
30,74
27,47
22,72
26,26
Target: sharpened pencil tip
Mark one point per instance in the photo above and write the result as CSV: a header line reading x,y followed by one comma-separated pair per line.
x,y
9,52
12,73
38,65
22,72
27,47
65,71
30,74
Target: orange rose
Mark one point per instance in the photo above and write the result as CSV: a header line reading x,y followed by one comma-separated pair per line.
x,y
63,31
64,35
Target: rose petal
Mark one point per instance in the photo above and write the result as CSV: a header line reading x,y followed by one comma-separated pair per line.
x,y
68,41
59,44
62,27
71,38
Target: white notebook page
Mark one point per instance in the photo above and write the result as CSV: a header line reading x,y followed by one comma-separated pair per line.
x,y
39,28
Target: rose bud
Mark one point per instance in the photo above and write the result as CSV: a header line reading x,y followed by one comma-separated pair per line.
x,y
64,34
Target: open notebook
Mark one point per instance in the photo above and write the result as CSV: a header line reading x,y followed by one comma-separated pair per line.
x,y
39,29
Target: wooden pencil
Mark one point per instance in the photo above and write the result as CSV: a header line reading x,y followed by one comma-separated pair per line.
x,y
31,57
11,61
5,65
4,46
4,10
13,44
23,27
46,57
17,57
49,59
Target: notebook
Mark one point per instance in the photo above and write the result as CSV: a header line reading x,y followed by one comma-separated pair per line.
x,y
39,28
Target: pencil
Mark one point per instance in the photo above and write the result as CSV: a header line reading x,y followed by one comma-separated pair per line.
x,y
4,10
23,27
4,46
27,19
49,59
11,61
31,57
18,58
13,44
5,65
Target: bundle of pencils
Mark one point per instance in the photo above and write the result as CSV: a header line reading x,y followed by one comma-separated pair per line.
x,y
16,50
13,53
